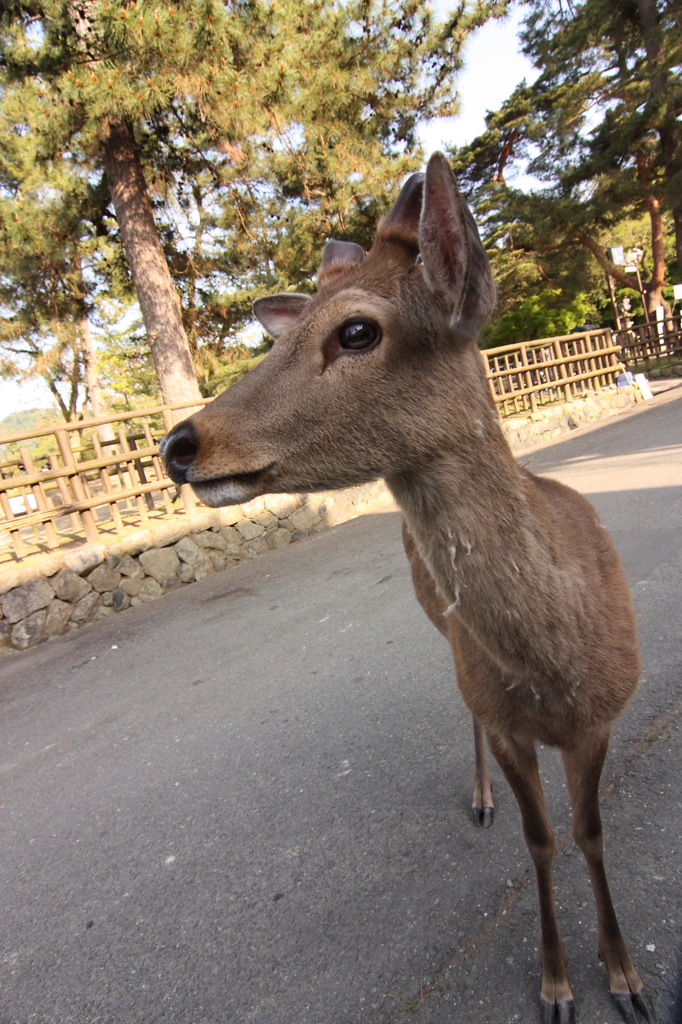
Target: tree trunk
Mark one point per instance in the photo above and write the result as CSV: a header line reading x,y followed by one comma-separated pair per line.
x,y
99,408
665,115
157,296
652,288
677,220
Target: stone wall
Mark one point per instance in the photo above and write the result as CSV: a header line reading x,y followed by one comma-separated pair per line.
x,y
547,424
51,594
656,372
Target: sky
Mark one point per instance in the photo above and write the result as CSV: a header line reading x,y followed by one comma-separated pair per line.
x,y
493,68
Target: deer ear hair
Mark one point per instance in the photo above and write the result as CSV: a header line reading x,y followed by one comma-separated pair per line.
x,y
277,313
454,259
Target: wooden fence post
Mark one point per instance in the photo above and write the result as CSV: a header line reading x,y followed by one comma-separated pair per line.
x,y
87,518
41,499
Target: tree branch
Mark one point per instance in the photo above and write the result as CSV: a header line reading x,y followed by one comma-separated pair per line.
x,y
604,262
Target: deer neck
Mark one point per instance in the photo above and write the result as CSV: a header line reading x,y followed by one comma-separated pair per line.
x,y
474,518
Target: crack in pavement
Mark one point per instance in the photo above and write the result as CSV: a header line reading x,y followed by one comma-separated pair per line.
x,y
456,958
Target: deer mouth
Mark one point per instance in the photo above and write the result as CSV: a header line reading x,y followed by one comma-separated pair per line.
x,y
233,489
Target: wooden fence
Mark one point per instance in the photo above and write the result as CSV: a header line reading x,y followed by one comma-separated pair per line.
x,y
526,376
62,483
654,344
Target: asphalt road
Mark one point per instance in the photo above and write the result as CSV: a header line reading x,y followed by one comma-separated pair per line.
x,y
249,802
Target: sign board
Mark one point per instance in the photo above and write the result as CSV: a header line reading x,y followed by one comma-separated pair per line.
x,y
643,384
677,291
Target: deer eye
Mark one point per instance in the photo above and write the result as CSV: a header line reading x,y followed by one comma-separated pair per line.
x,y
359,335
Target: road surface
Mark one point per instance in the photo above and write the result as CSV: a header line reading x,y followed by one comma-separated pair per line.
x,y
249,802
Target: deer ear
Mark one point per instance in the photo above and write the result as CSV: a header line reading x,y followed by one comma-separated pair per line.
x,y
454,259
342,252
403,218
277,313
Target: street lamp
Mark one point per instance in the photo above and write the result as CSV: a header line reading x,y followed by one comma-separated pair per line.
x,y
630,262
634,258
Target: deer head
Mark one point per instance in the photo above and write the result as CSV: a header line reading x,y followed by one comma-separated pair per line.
x,y
378,374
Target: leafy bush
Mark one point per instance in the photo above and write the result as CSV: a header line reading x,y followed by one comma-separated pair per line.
x,y
545,315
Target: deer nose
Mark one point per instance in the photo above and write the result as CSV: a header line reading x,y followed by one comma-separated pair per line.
x,y
178,450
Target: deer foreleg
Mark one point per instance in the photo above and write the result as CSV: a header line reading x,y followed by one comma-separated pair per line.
x,y
482,808
583,767
520,767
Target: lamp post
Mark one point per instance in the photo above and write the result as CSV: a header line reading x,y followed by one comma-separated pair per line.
x,y
630,262
634,258
617,257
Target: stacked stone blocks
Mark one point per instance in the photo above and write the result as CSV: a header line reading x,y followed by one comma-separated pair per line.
x,y
74,587
547,424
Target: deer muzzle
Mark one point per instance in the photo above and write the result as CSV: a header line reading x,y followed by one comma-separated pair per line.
x,y
181,450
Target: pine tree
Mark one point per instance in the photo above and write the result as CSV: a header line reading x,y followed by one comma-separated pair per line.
x,y
233,138
599,127
621,61
43,288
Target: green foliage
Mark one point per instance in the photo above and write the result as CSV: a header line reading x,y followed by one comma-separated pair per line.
x,y
54,259
263,127
125,364
216,373
600,131
545,315
28,419
226,372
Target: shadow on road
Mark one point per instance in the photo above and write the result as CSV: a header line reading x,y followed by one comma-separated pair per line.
x,y
250,801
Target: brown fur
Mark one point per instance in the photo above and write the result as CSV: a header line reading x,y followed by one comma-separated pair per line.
x,y
515,570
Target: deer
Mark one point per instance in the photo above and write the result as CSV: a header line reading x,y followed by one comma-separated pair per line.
x,y
379,374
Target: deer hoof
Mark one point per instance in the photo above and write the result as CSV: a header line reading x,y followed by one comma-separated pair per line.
x,y
558,1013
643,1004
483,816
626,1003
